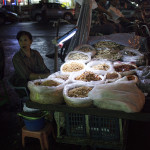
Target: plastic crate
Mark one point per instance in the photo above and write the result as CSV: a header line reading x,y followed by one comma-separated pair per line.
x,y
75,124
102,132
104,128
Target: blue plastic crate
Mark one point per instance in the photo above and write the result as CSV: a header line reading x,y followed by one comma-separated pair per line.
x,y
104,128
75,125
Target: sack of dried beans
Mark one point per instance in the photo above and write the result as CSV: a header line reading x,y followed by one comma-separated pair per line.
x,y
46,91
76,94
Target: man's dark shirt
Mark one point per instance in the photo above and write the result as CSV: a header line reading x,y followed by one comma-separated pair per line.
x,y
24,66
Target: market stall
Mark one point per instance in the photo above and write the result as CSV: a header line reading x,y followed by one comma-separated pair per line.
x,y
103,83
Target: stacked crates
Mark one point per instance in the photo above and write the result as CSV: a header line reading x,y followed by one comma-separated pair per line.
x,y
101,131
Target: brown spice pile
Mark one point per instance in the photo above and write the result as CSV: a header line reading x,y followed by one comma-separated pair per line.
x,y
79,91
88,76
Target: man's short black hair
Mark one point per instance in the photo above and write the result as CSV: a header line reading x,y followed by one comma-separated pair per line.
x,y
20,33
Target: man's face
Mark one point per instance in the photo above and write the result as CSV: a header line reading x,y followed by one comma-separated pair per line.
x,y
25,42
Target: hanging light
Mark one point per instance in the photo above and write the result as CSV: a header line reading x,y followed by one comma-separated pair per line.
x,y
66,36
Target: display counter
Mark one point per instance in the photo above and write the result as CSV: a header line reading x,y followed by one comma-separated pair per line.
x,y
144,115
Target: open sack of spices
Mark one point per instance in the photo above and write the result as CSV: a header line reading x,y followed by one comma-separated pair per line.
x,y
76,94
87,76
122,96
46,91
125,68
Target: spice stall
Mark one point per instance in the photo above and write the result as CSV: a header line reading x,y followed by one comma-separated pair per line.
x,y
102,84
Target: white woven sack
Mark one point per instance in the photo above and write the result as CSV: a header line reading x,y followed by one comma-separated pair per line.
x,y
122,96
100,62
72,78
125,73
46,94
92,51
72,72
81,59
76,101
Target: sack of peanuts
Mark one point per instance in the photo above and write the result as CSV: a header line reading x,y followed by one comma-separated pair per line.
x,y
46,91
78,56
86,49
76,94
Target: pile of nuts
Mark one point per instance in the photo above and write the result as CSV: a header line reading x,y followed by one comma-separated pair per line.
x,y
79,91
131,77
85,49
88,76
108,44
101,67
77,56
124,67
63,77
111,75
47,83
72,67
108,54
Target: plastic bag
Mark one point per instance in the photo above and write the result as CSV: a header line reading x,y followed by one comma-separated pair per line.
x,y
132,55
46,94
78,56
122,96
77,101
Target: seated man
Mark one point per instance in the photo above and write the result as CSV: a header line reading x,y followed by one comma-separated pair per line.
x,y
28,63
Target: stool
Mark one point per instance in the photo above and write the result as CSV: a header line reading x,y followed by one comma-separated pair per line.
x,y
42,135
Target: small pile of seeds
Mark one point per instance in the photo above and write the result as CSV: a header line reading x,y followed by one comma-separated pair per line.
x,y
111,75
73,67
88,76
124,67
63,77
47,83
101,67
79,92
77,56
